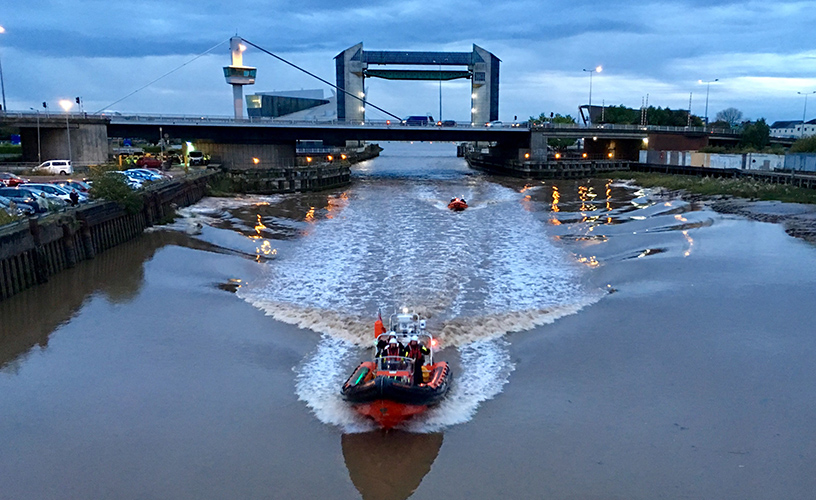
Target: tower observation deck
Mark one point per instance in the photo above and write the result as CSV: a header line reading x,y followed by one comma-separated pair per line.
x,y
238,75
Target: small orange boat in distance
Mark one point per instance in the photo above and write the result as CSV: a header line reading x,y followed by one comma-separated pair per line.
x,y
457,204
388,389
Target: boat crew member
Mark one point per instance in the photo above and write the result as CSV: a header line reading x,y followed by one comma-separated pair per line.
x,y
417,351
382,343
394,348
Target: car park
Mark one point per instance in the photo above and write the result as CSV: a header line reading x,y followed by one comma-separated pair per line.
x,y
55,167
10,180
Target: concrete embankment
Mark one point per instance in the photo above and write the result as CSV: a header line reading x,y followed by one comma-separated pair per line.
x,y
32,250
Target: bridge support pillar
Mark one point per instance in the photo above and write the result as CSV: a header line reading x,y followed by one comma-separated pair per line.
x,y
249,156
89,143
538,146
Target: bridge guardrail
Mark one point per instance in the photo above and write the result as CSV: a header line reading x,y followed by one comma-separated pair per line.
x,y
122,118
617,126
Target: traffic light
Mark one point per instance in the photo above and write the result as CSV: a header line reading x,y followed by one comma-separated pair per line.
x,y
45,105
77,100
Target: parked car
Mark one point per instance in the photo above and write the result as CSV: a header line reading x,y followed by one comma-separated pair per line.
x,y
13,208
54,167
164,175
149,161
143,174
52,201
197,158
22,196
132,182
80,186
11,180
172,158
60,192
419,121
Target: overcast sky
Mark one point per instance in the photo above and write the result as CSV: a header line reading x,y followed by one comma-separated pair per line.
x,y
762,52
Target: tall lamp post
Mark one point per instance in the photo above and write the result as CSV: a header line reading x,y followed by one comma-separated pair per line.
x,y
2,83
804,112
39,149
598,69
66,105
708,86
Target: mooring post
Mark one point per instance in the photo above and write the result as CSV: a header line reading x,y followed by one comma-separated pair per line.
x,y
40,258
68,243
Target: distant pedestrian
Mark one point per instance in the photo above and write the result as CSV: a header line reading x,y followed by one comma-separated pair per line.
x,y
74,196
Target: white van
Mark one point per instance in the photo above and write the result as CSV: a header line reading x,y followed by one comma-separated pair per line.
x,y
62,167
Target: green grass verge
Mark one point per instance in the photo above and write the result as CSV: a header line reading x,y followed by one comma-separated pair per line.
x,y
5,218
712,186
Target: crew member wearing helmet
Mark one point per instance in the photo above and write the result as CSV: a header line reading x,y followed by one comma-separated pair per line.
x,y
417,351
382,343
394,348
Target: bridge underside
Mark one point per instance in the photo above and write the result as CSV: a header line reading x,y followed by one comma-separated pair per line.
x,y
409,74
328,134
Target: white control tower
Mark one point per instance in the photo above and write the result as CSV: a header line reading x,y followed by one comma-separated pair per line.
x,y
238,75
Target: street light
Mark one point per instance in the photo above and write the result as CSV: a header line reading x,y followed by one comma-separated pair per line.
x,y
2,84
598,69
804,112
708,85
39,150
66,105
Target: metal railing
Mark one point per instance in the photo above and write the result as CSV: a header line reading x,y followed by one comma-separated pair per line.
x,y
626,127
122,118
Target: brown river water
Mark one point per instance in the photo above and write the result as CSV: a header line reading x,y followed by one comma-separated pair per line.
x,y
606,344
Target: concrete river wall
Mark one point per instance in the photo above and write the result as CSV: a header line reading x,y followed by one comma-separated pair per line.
x,y
32,250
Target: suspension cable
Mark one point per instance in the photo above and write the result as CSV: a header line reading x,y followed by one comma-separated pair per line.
x,y
164,75
322,80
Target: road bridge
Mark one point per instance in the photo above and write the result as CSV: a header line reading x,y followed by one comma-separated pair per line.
x,y
44,136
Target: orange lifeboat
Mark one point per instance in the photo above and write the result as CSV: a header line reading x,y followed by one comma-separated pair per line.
x,y
457,204
388,389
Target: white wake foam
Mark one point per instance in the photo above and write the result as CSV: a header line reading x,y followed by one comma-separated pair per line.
x,y
486,368
318,385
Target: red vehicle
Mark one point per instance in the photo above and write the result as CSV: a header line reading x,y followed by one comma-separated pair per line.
x,y
149,161
72,184
11,180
